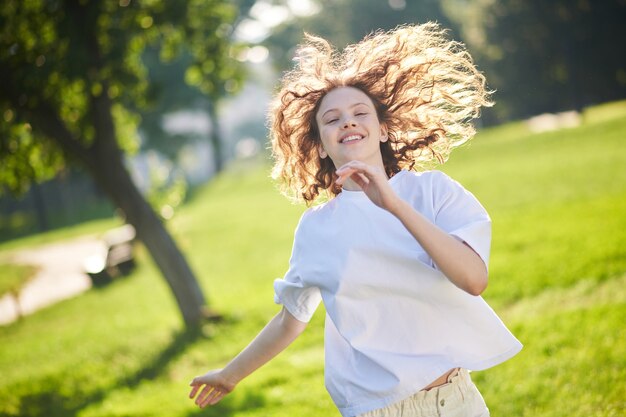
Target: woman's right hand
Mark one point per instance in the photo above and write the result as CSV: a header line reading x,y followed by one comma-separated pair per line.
x,y
210,388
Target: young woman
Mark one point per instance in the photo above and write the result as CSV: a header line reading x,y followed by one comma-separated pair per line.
x,y
398,257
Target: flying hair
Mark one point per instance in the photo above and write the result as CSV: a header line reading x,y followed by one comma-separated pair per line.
x,y
425,88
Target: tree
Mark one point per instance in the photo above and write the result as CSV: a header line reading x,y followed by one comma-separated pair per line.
x,y
72,82
545,56
347,21
169,93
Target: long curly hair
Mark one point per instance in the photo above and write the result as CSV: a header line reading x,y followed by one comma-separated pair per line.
x,y
425,88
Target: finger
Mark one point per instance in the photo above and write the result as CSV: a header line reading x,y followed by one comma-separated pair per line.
x,y
206,391
210,399
360,179
344,174
194,391
352,165
197,381
203,395
218,398
346,167
365,171
207,400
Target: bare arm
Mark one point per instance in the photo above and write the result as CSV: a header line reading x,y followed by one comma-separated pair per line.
x,y
457,260
279,333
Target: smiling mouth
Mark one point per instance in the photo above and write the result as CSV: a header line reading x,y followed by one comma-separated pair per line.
x,y
351,138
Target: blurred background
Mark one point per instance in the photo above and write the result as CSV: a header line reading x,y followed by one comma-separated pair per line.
x,y
133,143
189,93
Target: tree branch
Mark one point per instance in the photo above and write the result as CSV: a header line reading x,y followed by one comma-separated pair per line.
x,y
44,119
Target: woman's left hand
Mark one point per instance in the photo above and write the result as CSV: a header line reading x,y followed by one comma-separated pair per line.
x,y
372,180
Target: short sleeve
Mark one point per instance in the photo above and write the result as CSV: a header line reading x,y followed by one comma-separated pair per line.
x,y
293,291
460,214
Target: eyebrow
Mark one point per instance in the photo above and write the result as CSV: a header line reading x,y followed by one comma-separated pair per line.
x,y
352,106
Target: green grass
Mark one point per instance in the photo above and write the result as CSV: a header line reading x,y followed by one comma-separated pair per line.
x,y
14,276
557,201
92,227
558,279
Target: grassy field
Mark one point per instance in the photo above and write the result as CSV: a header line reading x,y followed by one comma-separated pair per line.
x,y
558,279
13,277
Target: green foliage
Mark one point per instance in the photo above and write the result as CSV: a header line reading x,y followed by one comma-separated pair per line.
x,y
556,200
59,58
167,191
30,159
545,56
539,56
347,21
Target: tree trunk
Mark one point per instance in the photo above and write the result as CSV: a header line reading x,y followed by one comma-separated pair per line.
x,y
107,167
214,137
40,208
103,158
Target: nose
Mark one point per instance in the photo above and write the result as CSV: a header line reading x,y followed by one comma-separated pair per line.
x,y
349,122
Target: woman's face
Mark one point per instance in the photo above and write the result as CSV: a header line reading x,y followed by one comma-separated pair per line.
x,y
349,128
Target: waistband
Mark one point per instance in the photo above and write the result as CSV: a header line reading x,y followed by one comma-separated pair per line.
x,y
426,403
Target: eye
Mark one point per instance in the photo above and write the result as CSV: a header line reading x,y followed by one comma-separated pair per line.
x,y
361,110
330,121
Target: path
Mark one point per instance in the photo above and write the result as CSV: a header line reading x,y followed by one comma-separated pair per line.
x,y
61,275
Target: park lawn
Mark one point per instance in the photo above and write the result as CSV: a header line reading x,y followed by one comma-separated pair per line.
x,y
558,280
92,227
14,276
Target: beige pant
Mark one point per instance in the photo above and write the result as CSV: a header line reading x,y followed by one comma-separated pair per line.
x,y
457,398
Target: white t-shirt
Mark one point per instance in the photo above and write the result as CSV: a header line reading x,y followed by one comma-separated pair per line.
x,y
394,322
